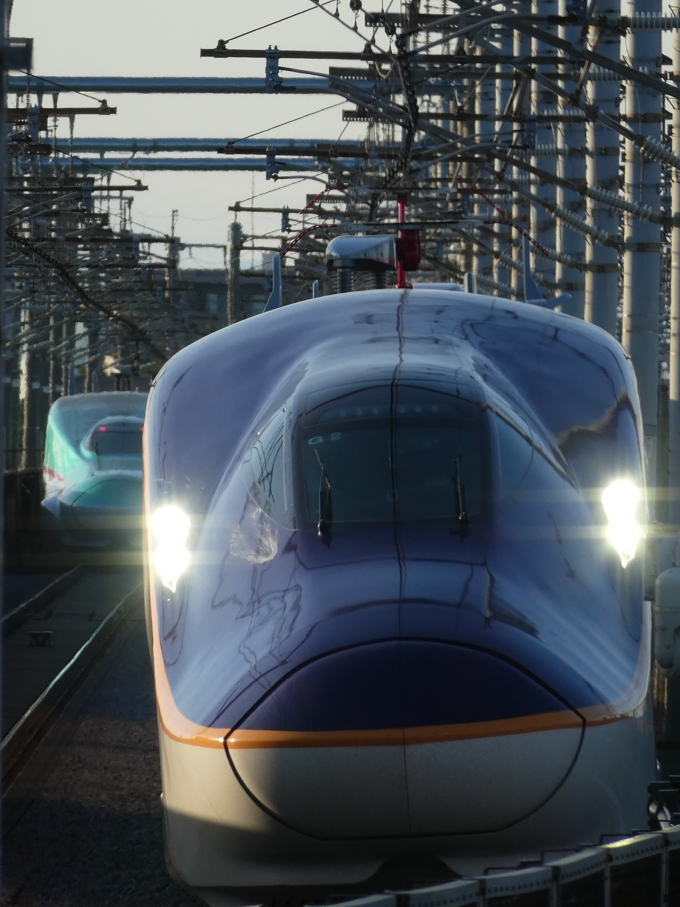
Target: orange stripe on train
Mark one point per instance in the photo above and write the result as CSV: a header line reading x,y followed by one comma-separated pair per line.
x,y
244,738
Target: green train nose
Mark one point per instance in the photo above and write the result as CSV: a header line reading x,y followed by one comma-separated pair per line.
x,y
104,504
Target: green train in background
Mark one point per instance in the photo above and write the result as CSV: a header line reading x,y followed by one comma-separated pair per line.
x,y
92,469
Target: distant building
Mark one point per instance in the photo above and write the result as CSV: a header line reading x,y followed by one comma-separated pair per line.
x,y
202,295
254,290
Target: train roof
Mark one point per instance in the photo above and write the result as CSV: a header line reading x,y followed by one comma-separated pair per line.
x,y
72,417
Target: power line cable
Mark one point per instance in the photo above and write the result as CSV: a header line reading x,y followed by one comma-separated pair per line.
x,y
92,163
83,94
252,31
286,123
269,191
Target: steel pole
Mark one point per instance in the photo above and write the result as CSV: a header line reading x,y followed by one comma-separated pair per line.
x,y
3,163
602,172
674,363
571,142
484,131
542,101
642,240
520,209
502,234
234,312
466,172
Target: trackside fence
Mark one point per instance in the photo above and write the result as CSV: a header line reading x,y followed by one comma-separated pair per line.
x,y
641,871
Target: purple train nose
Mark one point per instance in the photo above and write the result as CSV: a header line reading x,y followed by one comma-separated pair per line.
x,y
398,738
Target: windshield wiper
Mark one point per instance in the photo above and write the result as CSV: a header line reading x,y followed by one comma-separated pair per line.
x,y
461,504
325,501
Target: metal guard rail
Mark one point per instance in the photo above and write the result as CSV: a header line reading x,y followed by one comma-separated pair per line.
x,y
640,871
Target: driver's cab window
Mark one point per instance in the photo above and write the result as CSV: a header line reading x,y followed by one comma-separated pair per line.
x,y
394,455
122,437
266,470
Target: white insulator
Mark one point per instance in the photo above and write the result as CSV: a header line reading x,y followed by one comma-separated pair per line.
x,y
546,151
618,203
554,255
652,22
542,252
489,283
599,74
526,179
580,225
510,262
657,152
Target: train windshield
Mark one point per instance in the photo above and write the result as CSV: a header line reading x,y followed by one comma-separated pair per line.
x,y
116,437
422,455
266,481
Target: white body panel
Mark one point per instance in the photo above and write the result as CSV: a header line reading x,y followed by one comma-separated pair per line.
x,y
218,837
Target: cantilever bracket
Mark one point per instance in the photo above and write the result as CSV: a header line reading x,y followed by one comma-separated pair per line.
x,y
272,77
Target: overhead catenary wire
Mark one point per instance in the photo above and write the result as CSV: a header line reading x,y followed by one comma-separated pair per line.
x,y
252,31
303,116
413,83
62,87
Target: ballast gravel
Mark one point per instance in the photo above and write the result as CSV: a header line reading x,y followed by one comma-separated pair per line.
x,y
93,837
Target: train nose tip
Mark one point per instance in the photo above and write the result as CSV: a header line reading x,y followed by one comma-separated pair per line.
x,y
397,738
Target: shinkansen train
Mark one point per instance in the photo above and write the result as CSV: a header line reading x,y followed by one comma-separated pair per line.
x,y
395,599
92,469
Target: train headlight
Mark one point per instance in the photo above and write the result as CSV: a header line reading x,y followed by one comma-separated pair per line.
x,y
620,501
170,528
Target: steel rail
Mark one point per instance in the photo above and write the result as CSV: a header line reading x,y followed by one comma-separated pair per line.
x,y
22,612
25,732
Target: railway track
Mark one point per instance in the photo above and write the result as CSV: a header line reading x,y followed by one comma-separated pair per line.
x,y
51,641
82,815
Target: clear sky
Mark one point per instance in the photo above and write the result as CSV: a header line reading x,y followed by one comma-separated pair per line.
x,y
163,38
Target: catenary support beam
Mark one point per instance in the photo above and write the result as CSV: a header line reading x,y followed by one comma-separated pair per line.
x,y
104,145
290,85
153,85
99,164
